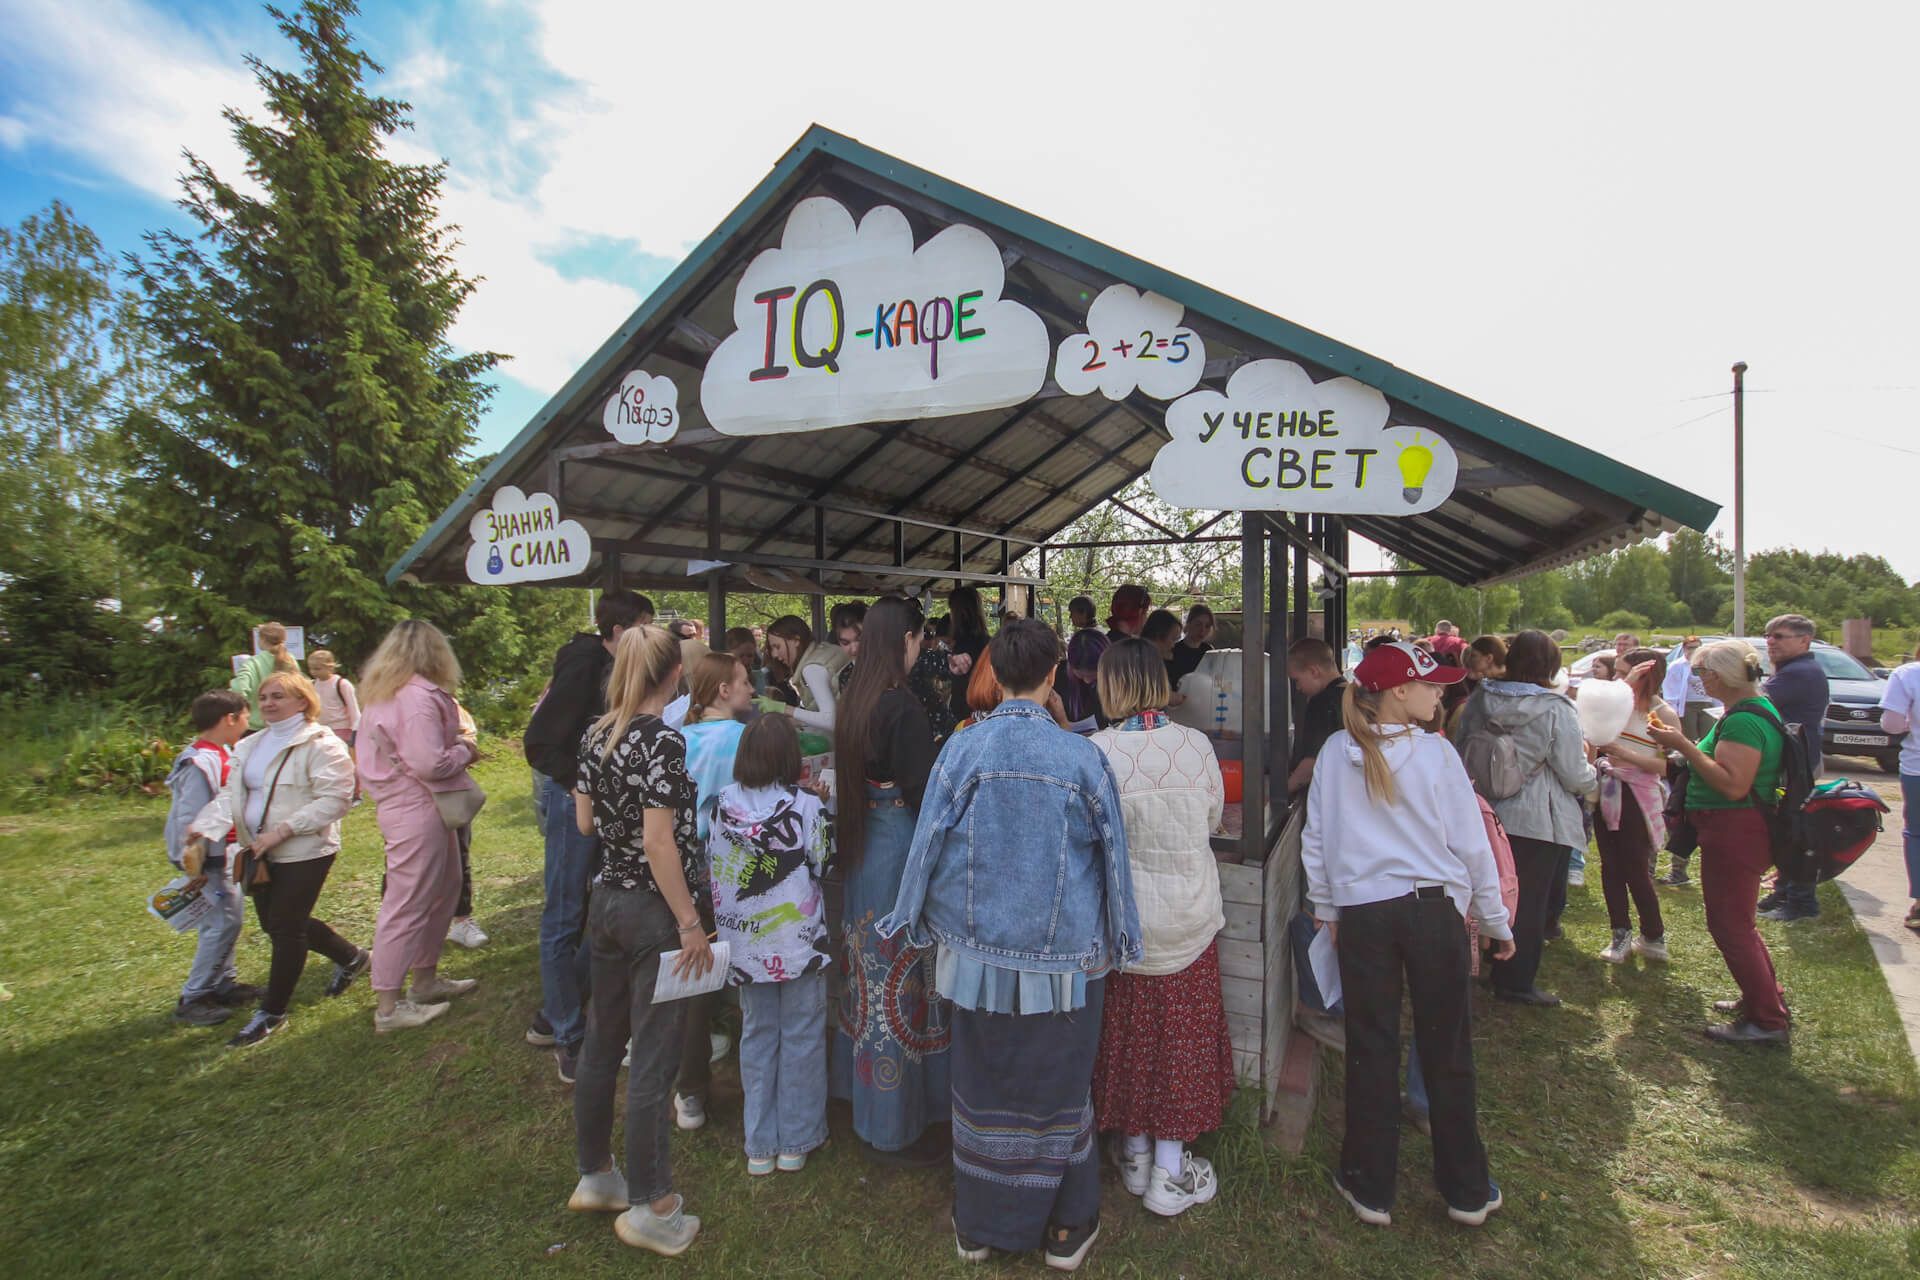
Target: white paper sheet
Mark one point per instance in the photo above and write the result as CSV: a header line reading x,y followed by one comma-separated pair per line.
x,y
179,904
667,987
1326,967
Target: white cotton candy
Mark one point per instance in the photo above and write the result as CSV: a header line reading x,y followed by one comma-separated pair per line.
x,y
1606,708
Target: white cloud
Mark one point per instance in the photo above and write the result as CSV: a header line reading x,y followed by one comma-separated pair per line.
x,y
840,325
521,537
1277,440
1133,339
14,132
645,410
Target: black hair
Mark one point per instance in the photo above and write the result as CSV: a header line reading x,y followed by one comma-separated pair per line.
x,y
882,666
1160,625
969,617
621,609
1025,654
1082,607
1199,611
213,706
848,613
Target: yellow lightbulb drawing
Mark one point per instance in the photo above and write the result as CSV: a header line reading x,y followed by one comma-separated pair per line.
x,y
1415,461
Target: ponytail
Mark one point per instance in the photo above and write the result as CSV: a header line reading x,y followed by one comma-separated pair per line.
x,y
1358,709
645,660
273,637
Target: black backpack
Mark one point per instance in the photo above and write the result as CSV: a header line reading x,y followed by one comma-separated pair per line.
x,y
1786,810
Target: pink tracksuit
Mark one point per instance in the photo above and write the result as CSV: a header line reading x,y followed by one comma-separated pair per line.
x,y
421,726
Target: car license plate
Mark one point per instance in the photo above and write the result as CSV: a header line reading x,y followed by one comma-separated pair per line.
x,y
1859,740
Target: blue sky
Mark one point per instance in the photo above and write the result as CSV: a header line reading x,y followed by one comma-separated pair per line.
x,y
1580,215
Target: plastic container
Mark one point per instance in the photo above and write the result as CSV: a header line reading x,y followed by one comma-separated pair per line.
x,y
1230,778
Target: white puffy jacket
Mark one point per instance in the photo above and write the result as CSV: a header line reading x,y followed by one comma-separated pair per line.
x,y
314,792
1171,799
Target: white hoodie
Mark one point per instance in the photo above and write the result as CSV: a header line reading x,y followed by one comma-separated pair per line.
x,y
1357,851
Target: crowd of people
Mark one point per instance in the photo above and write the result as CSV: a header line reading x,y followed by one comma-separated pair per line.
x,y
1027,951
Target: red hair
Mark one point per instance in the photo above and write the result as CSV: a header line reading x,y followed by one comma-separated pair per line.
x,y
983,687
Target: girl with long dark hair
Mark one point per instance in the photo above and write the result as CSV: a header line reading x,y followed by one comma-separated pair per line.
x,y
969,637
890,1052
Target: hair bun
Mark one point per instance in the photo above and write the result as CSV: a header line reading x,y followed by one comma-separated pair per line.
x,y
1755,670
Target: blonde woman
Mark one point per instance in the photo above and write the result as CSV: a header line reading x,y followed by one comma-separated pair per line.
x,y
339,704
271,657
414,748
633,792
1737,761
287,788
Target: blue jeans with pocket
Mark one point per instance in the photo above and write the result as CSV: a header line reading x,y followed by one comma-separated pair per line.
x,y
783,1065
213,969
563,955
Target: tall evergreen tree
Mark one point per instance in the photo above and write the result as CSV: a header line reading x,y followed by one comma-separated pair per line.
x,y
322,411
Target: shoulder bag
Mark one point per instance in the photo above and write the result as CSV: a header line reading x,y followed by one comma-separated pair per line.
x,y
250,869
457,808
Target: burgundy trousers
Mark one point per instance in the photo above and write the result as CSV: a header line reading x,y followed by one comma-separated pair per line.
x,y
1734,855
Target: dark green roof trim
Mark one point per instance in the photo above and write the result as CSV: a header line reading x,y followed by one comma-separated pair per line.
x,y
1636,487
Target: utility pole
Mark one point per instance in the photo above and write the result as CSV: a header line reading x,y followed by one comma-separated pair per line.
x,y
1739,499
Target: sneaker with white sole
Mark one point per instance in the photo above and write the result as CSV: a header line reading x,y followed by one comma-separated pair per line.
x,y
1365,1212
601,1193
406,1014
441,989
1067,1246
1136,1169
792,1163
468,934
689,1112
1475,1217
1650,948
968,1250
1171,1195
1620,948
719,1043
665,1234
760,1166
1576,878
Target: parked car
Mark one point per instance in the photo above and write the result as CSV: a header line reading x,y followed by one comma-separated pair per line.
x,y
1852,726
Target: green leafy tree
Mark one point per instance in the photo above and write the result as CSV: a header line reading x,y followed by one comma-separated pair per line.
x,y
1699,570
322,410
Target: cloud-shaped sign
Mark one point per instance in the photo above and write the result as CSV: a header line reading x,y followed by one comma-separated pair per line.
x,y
1133,339
840,325
521,538
645,410
1278,440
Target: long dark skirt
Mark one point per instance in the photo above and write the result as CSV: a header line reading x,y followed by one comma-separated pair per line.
x,y
1023,1143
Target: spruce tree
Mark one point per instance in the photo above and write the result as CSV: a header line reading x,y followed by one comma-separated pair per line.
x,y
321,413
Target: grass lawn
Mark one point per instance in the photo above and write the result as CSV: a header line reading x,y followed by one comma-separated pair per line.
x,y
1626,1144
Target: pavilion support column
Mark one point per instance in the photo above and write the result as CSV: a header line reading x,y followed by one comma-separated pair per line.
x,y
717,609
817,604
1253,691
1279,691
1302,525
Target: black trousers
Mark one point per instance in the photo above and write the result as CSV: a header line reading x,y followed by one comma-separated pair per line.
x,y
284,906
1541,865
1421,943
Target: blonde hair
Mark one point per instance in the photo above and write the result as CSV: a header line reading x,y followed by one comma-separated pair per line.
x,y
1131,677
1734,661
300,687
710,672
645,658
274,636
322,658
1359,712
412,648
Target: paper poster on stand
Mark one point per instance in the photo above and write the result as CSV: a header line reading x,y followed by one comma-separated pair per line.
x,y
1279,441
1133,340
521,537
645,410
843,324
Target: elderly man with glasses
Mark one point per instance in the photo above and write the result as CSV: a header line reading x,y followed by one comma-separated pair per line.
x,y
1798,687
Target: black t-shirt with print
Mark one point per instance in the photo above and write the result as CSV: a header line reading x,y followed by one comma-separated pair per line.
x,y
646,769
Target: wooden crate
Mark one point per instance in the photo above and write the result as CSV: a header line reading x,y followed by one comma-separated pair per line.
x,y
1256,961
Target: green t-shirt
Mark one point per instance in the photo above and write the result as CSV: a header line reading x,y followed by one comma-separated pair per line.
x,y
1754,731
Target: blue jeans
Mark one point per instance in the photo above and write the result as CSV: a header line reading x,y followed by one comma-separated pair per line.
x,y
213,968
783,1065
1910,830
563,960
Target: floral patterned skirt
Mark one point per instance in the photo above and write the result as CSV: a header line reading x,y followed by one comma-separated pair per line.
x,y
1166,1064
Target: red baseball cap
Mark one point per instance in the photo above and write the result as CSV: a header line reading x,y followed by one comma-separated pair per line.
x,y
1388,666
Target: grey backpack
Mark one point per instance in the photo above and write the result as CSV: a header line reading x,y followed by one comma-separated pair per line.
x,y
1493,762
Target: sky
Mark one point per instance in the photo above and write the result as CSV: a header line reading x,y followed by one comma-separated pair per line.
x,y
1581,215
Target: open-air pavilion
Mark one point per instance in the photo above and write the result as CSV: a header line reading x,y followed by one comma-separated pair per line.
x,y
796,451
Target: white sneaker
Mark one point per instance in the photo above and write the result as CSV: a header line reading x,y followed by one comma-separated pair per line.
x,y
1650,948
1170,1196
688,1112
718,1043
441,989
406,1014
1136,1169
1620,948
600,1193
1576,878
468,934
667,1236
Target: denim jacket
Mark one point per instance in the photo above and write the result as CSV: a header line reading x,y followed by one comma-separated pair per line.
x,y
1019,859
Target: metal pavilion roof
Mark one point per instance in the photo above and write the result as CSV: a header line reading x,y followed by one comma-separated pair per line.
x,y
875,505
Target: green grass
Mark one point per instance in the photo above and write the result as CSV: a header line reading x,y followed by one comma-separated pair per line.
x,y
1627,1146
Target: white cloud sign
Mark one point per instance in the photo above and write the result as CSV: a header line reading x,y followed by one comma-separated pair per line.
x,y
1279,441
521,538
1133,339
645,410
840,325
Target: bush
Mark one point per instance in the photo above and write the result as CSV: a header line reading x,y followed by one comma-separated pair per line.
x,y
1553,618
1624,620
53,748
1677,614
503,707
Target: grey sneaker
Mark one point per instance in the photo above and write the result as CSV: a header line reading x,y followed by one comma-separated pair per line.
x,y
1650,948
600,1193
203,1012
667,1235
441,989
405,1016
1621,947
